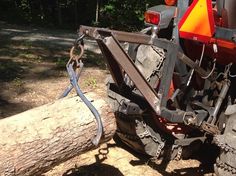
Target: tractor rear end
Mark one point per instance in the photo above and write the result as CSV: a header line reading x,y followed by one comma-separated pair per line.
x,y
172,90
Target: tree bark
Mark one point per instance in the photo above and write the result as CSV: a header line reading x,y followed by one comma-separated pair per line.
x,y
97,11
34,141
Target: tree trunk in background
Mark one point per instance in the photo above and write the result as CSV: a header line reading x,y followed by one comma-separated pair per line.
x,y
97,11
34,141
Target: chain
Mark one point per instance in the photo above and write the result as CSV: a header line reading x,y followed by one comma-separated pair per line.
x,y
229,150
159,51
74,58
224,146
179,153
225,167
159,149
147,133
158,70
77,65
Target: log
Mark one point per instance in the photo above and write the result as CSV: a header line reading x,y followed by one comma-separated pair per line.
x,y
34,141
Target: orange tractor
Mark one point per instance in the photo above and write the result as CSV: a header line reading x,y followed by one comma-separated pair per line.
x,y
173,89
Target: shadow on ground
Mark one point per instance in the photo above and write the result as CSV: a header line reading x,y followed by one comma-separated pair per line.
x,y
34,45
8,108
96,169
9,69
101,168
28,55
206,156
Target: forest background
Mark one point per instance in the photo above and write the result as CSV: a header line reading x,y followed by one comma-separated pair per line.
x,y
69,14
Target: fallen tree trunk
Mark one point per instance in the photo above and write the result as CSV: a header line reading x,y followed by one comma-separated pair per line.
x,y
34,141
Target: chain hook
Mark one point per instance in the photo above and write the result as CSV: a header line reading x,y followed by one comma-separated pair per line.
x,y
79,40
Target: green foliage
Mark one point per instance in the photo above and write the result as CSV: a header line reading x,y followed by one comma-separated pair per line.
x,y
61,62
125,15
91,82
17,82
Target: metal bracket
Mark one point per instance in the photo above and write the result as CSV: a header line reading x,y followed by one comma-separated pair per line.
x,y
117,58
119,63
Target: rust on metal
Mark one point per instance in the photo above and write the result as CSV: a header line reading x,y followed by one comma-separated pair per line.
x,y
119,61
192,64
127,64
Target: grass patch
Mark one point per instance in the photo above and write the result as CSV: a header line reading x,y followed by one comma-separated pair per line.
x,y
31,56
91,82
17,82
61,62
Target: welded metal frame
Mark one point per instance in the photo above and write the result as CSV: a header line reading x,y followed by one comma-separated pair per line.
x,y
117,58
119,62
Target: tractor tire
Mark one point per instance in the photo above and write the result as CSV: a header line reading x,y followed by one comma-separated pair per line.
x,y
126,132
226,162
148,60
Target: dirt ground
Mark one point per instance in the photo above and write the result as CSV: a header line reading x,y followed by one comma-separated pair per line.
x,y
32,73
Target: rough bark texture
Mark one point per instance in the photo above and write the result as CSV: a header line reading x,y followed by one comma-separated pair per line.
x,y
36,140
